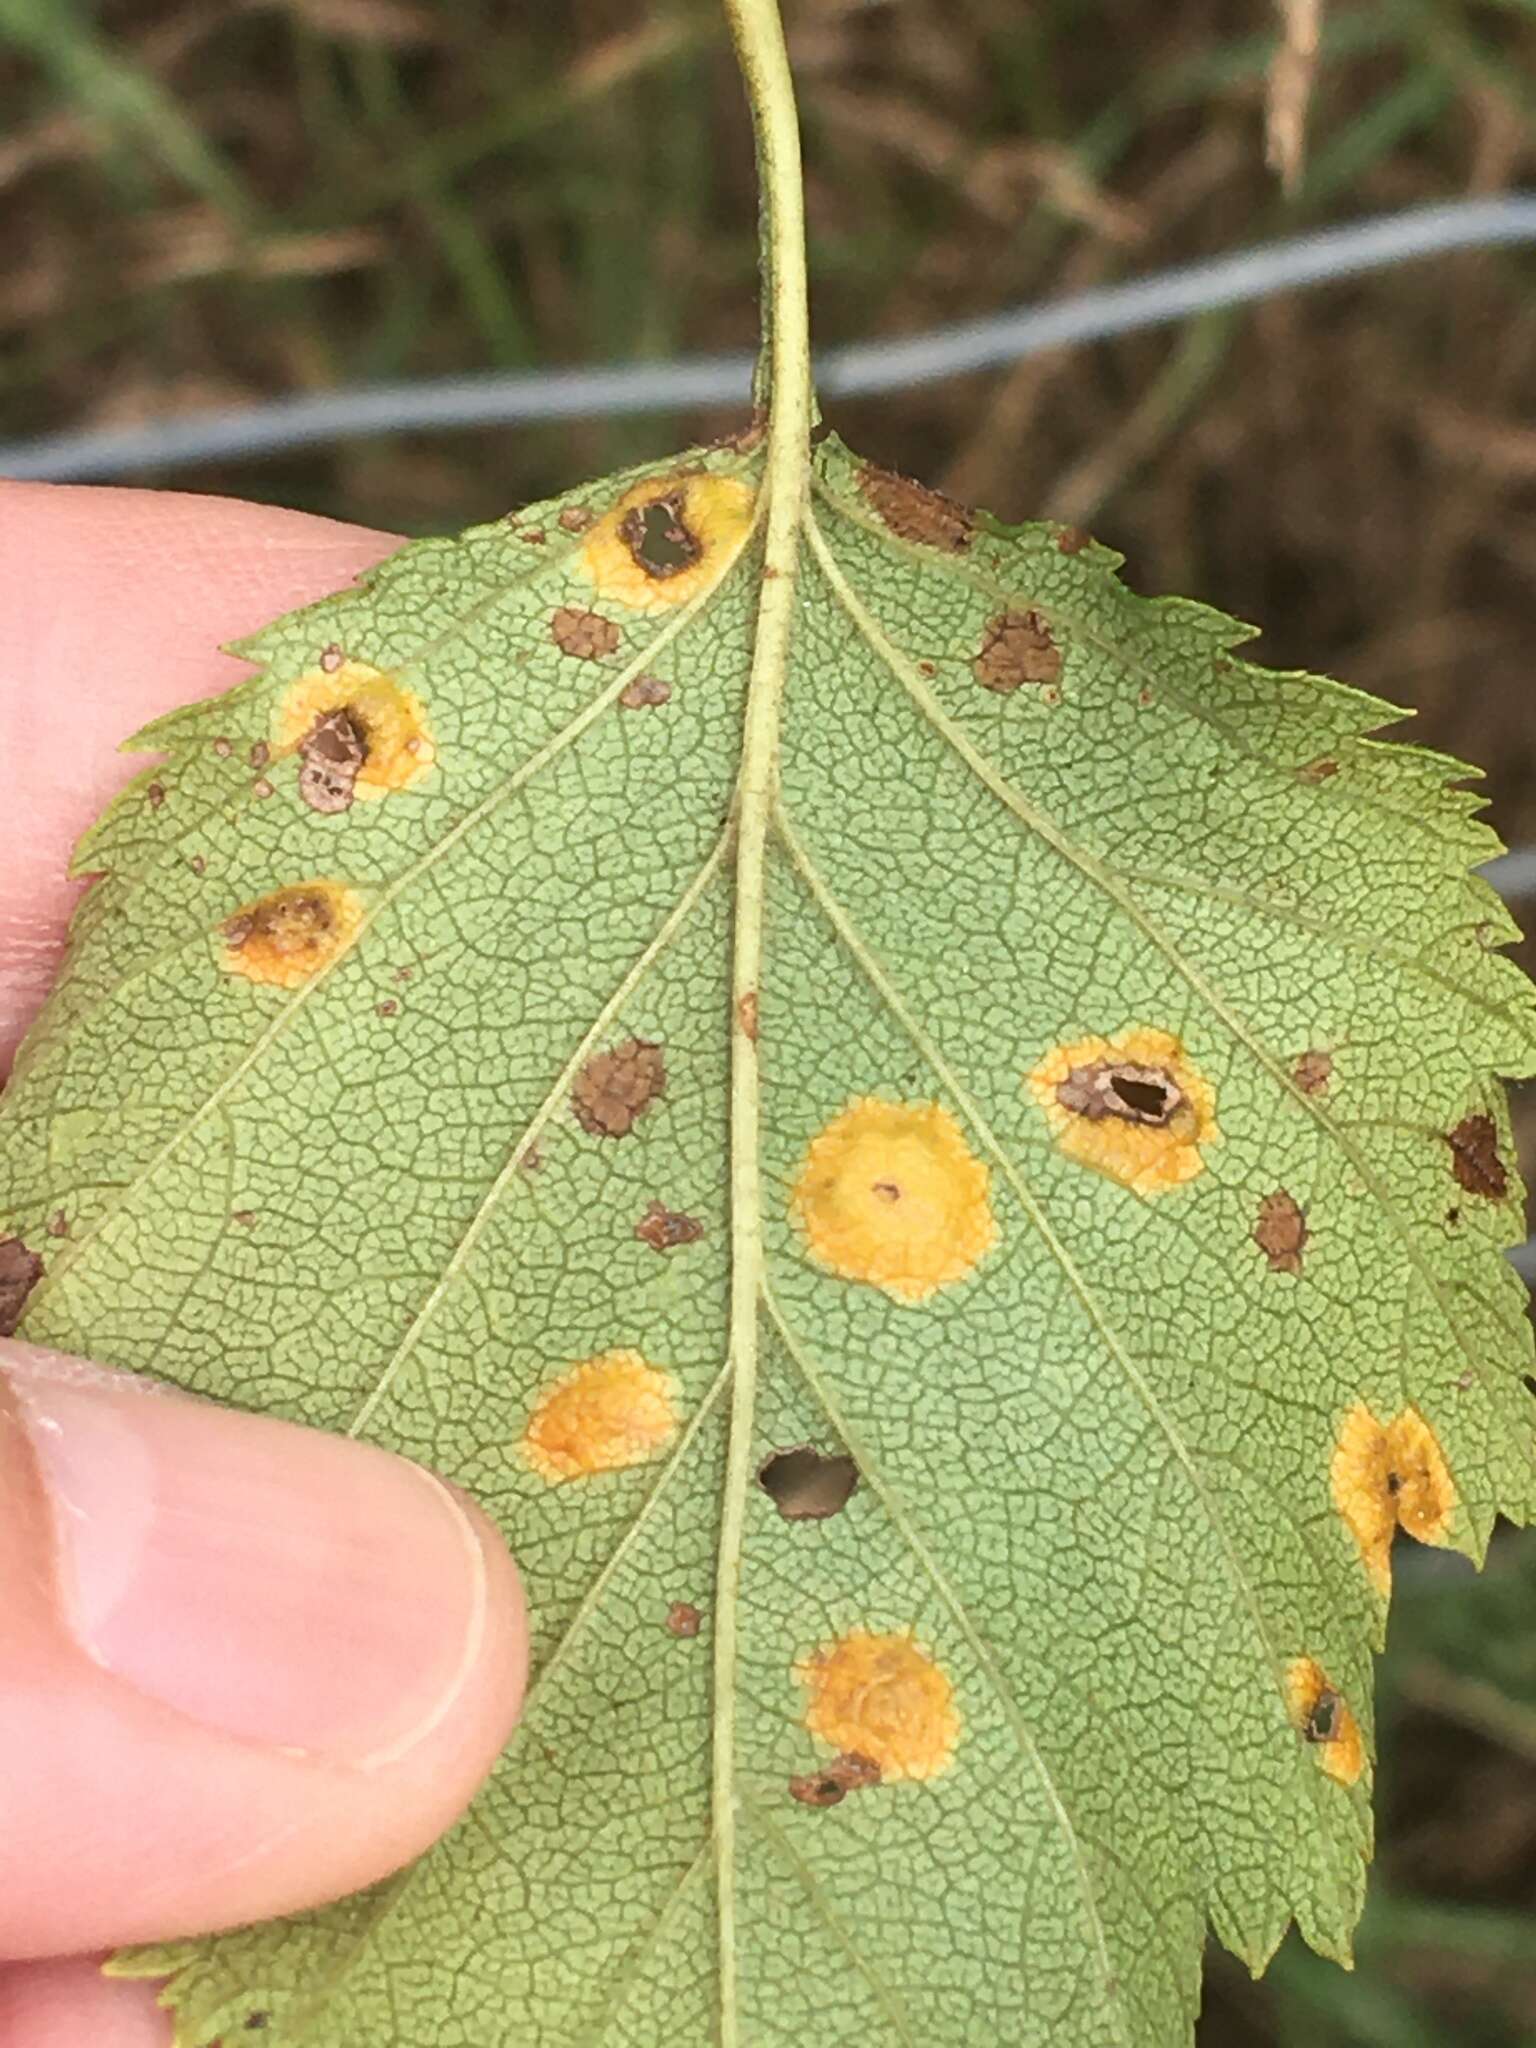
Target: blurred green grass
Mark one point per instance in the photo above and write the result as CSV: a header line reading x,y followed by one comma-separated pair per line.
x,y
210,201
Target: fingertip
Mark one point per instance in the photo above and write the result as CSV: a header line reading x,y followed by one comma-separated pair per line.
x,y
66,2002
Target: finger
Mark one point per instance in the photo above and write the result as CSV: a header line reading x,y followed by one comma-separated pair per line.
x,y
67,2003
115,604
248,1666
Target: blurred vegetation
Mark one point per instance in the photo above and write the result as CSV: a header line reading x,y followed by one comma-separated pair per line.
x,y
207,202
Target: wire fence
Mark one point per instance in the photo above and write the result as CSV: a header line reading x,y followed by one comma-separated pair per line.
x,y
859,369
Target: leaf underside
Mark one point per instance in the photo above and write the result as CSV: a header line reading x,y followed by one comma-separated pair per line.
x,y
1020,810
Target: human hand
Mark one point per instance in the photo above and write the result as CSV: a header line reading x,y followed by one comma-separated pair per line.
x,y
244,1667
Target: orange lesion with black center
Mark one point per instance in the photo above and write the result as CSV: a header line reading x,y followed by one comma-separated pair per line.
x,y
883,1697
1387,1476
889,1193
606,1414
394,741
668,539
284,938
1133,1107
1319,1714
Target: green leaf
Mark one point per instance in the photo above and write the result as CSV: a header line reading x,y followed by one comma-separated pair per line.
x,y
1118,1107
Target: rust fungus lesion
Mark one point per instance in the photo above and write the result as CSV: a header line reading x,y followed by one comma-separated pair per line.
x,y
664,1229
884,1698
1133,1107
1281,1231
587,636
913,512
1320,1716
889,1193
1017,648
1387,1476
20,1270
847,1773
357,730
1475,1158
615,1089
282,939
1312,1070
606,1414
669,539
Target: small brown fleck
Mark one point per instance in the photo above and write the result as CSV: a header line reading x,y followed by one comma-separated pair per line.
x,y
239,929
402,974
260,754
223,748
1464,1380
1453,1214
1017,649
683,1620
330,756
58,1224
1073,539
1475,1158
388,1007
614,1089
928,668
807,1485
155,795
645,691
1146,697
575,519
746,1015
1281,1231
331,658
913,512
535,536
198,865
531,1160
255,2021
20,1271
1312,1071
746,438
244,1217
1319,770
663,1228
830,1787
587,635
261,786
658,537
1134,1094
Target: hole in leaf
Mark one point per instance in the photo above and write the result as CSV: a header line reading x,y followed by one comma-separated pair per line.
x,y
846,1773
658,537
1148,1098
806,1485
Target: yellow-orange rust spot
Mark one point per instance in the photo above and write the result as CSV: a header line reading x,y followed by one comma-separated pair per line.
x,y
609,1412
890,1193
881,1697
1134,1107
283,939
390,720
1390,1476
668,539
1320,1714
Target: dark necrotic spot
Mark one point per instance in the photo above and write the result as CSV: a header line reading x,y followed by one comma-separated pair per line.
x,y
1134,1094
332,753
847,1773
806,1485
658,537
1018,648
913,512
615,1089
1323,1721
663,1228
20,1271
1475,1158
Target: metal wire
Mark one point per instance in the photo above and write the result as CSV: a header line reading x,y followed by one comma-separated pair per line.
x,y
858,370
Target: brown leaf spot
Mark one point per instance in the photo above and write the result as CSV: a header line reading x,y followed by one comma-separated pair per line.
x,y
198,865
1017,649
534,535
388,1008
645,691
1475,1158
658,537
20,1271
913,512
260,754
576,519
155,795
1312,1071
261,787
683,1620
329,757
807,1485
255,2021
663,1228
746,1015
746,438
331,658
1146,697
587,635
244,1217
928,668
1122,1089
531,1160
847,1773
1281,1232
57,1224
1319,770
223,748
1073,539
614,1089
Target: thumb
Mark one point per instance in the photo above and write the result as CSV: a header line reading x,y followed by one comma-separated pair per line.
x,y
244,1667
